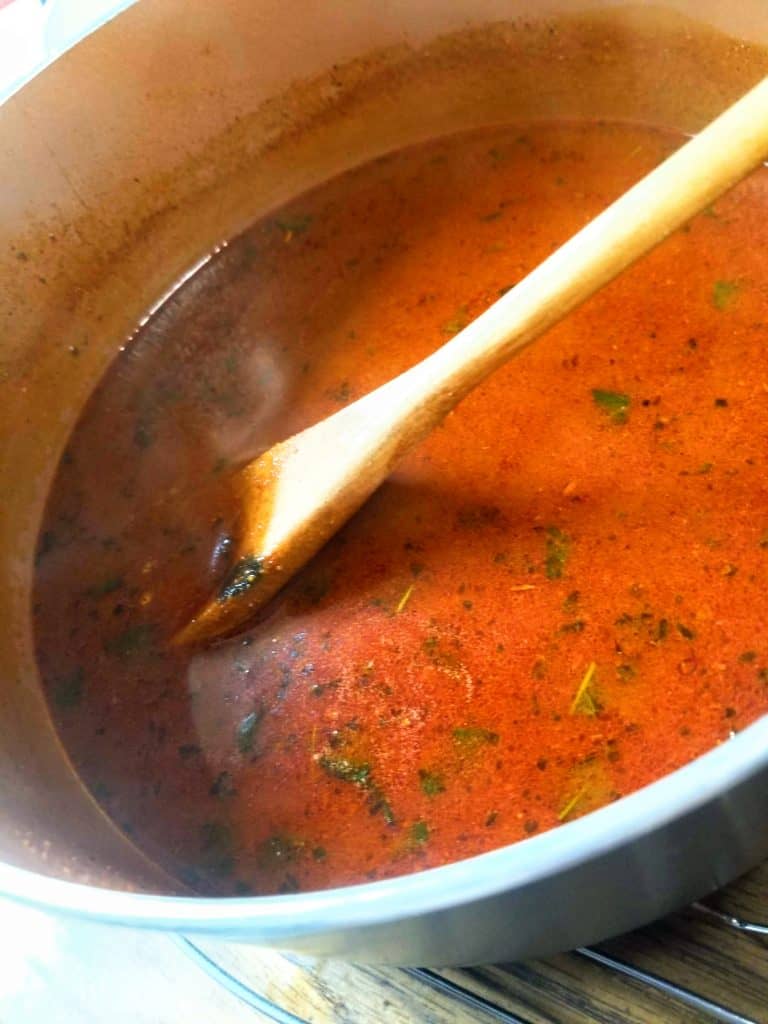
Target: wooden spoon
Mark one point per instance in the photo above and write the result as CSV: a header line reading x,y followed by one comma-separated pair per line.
x,y
296,495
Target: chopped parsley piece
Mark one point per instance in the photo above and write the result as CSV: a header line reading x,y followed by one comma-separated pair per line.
x,y
662,630
359,774
557,549
107,586
346,770
570,806
723,293
585,702
614,403
419,833
431,783
281,848
223,785
215,835
458,321
48,541
68,691
469,736
216,846
573,627
685,631
246,730
131,641
294,225
570,603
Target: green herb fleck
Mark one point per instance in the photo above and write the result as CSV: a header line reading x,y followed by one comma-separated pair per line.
x,y
315,589
246,730
614,403
573,627
295,224
418,833
457,323
346,770
101,791
685,631
342,393
359,774
216,845
284,849
723,293
188,750
585,702
289,884
570,806
431,783
571,602
223,785
48,541
557,549
471,736
746,657
68,691
319,853
378,804
662,630
477,517
133,640
431,645
107,586
143,434
626,672
319,689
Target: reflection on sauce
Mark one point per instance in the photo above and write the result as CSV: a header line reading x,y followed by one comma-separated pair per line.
x,y
556,599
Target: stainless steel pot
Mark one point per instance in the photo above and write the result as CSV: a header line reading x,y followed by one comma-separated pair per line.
x,y
173,127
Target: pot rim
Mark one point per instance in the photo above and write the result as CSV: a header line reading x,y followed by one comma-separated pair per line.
x,y
528,861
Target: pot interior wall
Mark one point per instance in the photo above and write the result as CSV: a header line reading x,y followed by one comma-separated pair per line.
x,y
171,129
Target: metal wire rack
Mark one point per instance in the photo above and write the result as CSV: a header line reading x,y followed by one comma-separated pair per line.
x,y
477,1007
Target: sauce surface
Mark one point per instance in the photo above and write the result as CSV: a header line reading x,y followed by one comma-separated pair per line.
x,y
556,599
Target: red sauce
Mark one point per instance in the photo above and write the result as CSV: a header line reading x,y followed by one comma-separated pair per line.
x,y
555,600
